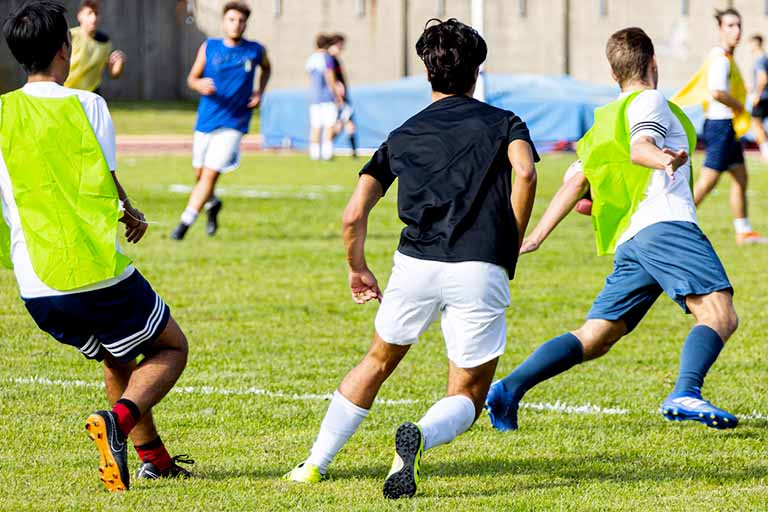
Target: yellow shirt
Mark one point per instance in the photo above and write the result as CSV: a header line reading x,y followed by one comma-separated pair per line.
x,y
89,56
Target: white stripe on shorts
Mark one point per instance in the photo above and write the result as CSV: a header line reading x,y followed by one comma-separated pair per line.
x,y
125,345
91,347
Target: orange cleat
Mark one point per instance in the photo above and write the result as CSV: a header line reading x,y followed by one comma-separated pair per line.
x,y
750,238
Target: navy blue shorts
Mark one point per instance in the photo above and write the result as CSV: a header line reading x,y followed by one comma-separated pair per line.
x,y
723,149
673,257
123,319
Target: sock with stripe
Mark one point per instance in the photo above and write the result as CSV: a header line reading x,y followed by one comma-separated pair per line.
x,y
128,415
156,453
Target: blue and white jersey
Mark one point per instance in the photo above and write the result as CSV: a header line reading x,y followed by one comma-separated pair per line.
x,y
232,69
319,89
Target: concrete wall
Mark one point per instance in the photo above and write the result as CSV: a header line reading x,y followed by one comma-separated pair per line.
x,y
535,36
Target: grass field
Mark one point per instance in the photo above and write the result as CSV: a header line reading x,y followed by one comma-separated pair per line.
x,y
271,326
156,117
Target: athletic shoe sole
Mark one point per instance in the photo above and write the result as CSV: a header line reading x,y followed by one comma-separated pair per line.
x,y
408,446
710,419
109,470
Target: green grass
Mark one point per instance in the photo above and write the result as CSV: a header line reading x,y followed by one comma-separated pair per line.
x,y
159,117
265,305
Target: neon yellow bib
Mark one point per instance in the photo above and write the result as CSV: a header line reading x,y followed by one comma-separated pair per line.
x,y
696,92
65,194
89,57
617,185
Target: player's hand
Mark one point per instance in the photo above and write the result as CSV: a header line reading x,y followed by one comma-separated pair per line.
x,y
135,224
738,110
529,244
255,100
363,286
115,57
676,160
205,86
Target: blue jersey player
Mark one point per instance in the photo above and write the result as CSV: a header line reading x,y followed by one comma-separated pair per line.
x,y
223,73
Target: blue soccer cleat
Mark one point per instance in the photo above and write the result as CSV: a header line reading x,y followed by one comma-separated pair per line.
x,y
502,408
692,407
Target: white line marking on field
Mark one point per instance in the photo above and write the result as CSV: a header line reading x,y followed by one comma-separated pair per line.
x,y
557,407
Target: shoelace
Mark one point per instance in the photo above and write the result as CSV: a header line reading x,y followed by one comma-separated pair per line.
x,y
183,458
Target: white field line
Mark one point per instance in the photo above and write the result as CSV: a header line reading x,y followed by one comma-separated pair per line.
x,y
557,407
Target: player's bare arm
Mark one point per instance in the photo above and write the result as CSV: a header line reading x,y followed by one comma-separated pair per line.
x,y
645,152
264,74
195,80
135,223
330,78
116,63
561,205
727,99
362,282
524,187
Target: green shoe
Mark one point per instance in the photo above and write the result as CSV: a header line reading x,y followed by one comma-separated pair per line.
x,y
404,475
305,473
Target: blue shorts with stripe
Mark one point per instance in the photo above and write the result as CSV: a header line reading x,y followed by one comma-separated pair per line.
x,y
671,257
123,319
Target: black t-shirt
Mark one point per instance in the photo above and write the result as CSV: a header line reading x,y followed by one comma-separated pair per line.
x,y
455,181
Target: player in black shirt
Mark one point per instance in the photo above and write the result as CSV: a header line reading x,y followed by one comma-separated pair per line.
x,y
345,121
465,218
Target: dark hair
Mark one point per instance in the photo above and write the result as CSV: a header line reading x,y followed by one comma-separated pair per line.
x,y
452,52
629,53
35,33
337,38
94,5
725,12
322,41
758,38
236,6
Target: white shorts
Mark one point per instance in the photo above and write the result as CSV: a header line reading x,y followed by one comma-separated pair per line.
x,y
323,115
218,150
471,296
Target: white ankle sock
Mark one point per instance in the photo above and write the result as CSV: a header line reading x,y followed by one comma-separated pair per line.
x,y
326,150
314,151
742,225
446,420
340,422
189,216
764,149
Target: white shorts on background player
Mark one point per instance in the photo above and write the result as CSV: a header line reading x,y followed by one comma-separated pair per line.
x,y
323,115
666,200
470,297
218,150
30,285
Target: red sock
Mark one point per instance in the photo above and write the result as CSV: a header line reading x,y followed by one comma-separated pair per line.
x,y
127,415
155,452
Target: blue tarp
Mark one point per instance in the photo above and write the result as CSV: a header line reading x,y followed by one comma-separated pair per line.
x,y
556,108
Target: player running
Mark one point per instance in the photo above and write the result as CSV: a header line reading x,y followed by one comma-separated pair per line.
x,y
719,86
223,73
635,163
464,220
759,93
61,204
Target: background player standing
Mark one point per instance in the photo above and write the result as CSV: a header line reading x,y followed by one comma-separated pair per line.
x,y
325,100
223,73
759,93
345,120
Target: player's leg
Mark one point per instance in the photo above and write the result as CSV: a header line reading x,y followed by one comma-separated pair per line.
x,y
329,114
706,181
352,134
442,423
315,130
738,202
717,135
349,406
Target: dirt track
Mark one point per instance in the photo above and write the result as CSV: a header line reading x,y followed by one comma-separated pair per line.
x,y
177,144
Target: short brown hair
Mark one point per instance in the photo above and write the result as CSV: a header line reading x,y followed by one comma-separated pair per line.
x,y
236,6
629,52
94,5
322,41
337,38
719,15
757,38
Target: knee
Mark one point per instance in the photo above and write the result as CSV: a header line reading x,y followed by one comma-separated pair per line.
x,y
728,324
598,337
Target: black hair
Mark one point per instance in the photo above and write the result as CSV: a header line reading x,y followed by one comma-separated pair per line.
x,y
35,33
452,53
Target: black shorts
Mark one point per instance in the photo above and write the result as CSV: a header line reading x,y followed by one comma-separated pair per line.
x,y
123,319
760,111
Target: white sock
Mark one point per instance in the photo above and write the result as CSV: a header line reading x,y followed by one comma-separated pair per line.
x,y
326,150
446,420
314,150
764,149
340,422
742,225
189,216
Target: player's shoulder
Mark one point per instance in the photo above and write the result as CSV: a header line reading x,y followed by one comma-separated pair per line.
x,y
90,100
649,101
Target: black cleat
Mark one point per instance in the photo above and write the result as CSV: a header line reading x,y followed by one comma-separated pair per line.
x,y
213,217
113,450
404,475
180,231
150,471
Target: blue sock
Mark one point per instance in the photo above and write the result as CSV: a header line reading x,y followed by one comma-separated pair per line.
x,y
700,350
550,359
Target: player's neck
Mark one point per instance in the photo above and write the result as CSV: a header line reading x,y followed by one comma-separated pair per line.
x,y
89,32
636,86
48,76
437,96
228,41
